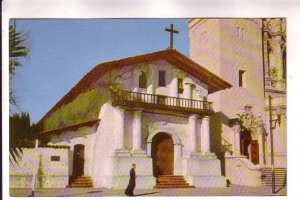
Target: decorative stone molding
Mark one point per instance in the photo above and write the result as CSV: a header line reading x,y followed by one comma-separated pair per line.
x,y
248,120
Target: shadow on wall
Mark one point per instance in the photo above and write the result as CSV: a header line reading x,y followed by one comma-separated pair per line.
x,y
216,122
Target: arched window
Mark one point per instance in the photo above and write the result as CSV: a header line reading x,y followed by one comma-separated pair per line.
x,y
142,80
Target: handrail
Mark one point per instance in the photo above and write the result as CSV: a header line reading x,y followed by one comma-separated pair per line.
x,y
226,145
121,96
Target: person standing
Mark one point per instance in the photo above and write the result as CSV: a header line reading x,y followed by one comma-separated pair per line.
x,y
131,184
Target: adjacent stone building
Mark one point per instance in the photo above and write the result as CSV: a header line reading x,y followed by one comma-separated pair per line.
x,y
251,55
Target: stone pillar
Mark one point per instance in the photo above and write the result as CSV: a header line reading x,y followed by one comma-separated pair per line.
x,y
187,94
177,159
192,125
119,132
119,128
137,130
187,91
205,135
236,132
151,85
174,87
137,134
149,148
260,135
150,91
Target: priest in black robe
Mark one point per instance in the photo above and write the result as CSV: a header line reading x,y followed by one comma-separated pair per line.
x,y
131,184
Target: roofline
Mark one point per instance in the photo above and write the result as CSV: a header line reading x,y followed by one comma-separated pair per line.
x,y
99,70
70,127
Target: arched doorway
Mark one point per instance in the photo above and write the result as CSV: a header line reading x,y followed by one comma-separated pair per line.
x,y
249,147
78,160
162,153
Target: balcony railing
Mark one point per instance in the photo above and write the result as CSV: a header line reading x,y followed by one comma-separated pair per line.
x,y
136,99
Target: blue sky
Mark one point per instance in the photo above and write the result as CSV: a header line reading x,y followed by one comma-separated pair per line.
x,y
63,51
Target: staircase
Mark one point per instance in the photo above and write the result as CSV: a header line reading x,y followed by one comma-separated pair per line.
x,y
280,176
81,182
171,181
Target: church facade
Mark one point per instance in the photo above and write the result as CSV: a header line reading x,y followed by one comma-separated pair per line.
x,y
216,117
155,114
250,118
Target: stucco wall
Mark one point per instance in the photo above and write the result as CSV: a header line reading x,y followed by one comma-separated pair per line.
x,y
174,125
241,171
85,136
51,174
226,46
103,145
127,78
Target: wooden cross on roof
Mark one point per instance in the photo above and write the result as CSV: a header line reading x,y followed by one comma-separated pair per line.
x,y
172,31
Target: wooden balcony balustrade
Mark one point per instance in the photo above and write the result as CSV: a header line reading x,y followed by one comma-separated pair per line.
x,y
150,101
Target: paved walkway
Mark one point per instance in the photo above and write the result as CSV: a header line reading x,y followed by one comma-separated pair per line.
x,y
89,192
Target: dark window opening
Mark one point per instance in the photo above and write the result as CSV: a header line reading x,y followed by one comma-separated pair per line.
x,y
55,158
180,86
162,78
142,80
241,73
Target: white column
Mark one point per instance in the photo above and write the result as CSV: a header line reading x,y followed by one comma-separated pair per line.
x,y
151,85
192,133
187,91
137,135
187,94
149,148
119,132
137,130
150,90
177,159
205,135
236,132
174,87
260,134
119,128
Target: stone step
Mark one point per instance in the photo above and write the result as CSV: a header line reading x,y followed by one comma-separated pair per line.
x,y
164,180
81,186
171,176
174,186
81,181
83,178
171,181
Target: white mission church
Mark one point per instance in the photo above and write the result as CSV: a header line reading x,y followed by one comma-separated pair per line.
x,y
154,111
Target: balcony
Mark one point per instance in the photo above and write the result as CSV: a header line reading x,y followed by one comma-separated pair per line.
x,y
159,103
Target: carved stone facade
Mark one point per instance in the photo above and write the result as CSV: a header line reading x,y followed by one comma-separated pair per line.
x,y
257,48
274,45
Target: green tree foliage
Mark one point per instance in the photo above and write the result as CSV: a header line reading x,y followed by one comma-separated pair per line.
x,y
84,107
17,50
21,133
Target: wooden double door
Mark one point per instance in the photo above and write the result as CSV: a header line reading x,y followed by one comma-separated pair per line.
x,y
162,154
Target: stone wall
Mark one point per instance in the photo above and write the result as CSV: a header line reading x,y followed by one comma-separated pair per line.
x,y
49,164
